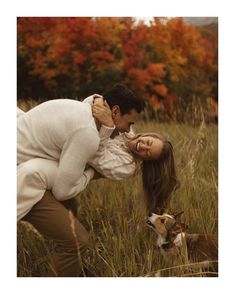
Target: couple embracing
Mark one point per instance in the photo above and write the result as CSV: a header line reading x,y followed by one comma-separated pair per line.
x,y
63,144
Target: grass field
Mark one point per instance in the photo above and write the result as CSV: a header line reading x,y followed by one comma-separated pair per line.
x,y
121,245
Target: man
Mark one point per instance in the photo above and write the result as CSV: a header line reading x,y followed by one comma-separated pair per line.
x,y
65,131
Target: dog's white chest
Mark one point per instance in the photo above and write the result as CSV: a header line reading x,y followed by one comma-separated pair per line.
x,y
178,239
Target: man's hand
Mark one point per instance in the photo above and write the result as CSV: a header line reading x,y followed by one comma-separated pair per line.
x,y
102,112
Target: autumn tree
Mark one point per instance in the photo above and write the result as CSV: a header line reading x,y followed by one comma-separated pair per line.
x,y
165,62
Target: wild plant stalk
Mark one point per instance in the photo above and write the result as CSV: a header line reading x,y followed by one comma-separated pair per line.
x,y
72,225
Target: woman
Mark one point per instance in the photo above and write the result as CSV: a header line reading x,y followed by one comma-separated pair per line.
x,y
115,159
154,152
119,158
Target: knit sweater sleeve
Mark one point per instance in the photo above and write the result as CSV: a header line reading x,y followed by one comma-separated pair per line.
x,y
72,178
105,131
112,161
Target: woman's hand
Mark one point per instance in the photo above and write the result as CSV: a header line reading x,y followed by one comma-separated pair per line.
x,y
102,112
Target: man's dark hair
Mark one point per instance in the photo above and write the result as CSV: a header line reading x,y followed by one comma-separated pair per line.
x,y
123,97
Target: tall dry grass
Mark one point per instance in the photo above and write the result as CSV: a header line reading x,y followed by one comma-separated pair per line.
x,y
121,245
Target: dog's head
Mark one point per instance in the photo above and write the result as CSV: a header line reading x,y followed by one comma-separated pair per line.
x,y
166,226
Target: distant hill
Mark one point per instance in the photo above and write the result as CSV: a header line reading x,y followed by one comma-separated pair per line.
x,y
200,21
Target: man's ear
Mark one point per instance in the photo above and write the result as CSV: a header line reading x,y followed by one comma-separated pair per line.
x,y
115,110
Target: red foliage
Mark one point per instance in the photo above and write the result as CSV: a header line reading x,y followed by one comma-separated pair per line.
x,y
160,62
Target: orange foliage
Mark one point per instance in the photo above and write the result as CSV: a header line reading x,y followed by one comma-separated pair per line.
x,y
161,90
160,62
156,71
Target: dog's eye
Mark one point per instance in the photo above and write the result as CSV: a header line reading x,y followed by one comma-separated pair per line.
x,y
162,221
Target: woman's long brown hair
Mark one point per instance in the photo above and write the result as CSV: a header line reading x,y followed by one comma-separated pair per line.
x,y
159,178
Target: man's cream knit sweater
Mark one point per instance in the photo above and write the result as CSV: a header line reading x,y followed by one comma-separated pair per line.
x,y
63,130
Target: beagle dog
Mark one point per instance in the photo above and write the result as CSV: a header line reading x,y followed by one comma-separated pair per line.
x,y
172,236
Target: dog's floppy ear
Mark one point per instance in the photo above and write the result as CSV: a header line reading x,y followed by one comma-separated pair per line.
x,y
177,215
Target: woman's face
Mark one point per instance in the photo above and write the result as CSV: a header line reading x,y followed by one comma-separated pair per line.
x,y
146,147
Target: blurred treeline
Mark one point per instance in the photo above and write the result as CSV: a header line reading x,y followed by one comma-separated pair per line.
x,y
173,66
